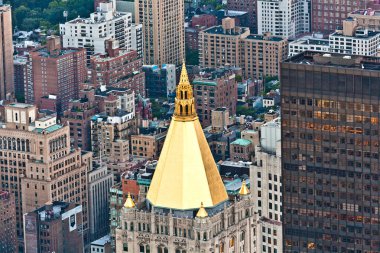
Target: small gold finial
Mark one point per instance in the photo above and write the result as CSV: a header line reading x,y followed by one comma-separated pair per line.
x,y
244,189
184,101
202,213
129,202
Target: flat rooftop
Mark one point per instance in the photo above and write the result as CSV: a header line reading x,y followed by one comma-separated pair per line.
x,y
43,52
369,35
20,105
311,41
336,60
264,38
220,31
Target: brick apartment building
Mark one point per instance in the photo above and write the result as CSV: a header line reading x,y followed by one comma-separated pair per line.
x,y
119,68
57,73
78,115
326,17
54,227
216,88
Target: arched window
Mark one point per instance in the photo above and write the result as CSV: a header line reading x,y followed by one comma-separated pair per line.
x,y
144,248
162,249
187,110
185,94
180,109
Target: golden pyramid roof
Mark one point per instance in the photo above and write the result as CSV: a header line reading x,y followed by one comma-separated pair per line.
x,y
129,202
244,189
202,213
186,171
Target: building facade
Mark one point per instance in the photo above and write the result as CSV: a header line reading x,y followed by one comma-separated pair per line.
x,y
8,231
92,33
308,43
160,82
219,45
216,89
57,73
38,164
117,68
147,145
163,31
261,55
22,77
352,39
54,227
100,181
248,6
78,117
330,138
283,18
6,52
257,55
326,18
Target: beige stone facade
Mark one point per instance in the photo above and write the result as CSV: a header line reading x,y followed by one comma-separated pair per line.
x,y
147,146
230,229
219,45
163,30
257,55
37,163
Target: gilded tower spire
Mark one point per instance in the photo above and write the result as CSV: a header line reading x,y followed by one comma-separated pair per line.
x,y
184,101
186,171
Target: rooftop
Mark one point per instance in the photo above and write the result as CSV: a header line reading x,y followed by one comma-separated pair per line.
x,y
102,241
359,34
262,37
219,30
242,142
336,60
311,41
43,52
20,105
48,130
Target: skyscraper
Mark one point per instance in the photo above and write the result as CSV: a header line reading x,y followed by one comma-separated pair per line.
x,y
186,208
6,51
163,30
330,153
37,164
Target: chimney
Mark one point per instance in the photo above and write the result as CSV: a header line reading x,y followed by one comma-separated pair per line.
x,y
53,45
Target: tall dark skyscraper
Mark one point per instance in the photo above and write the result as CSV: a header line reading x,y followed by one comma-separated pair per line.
x,y
330,152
